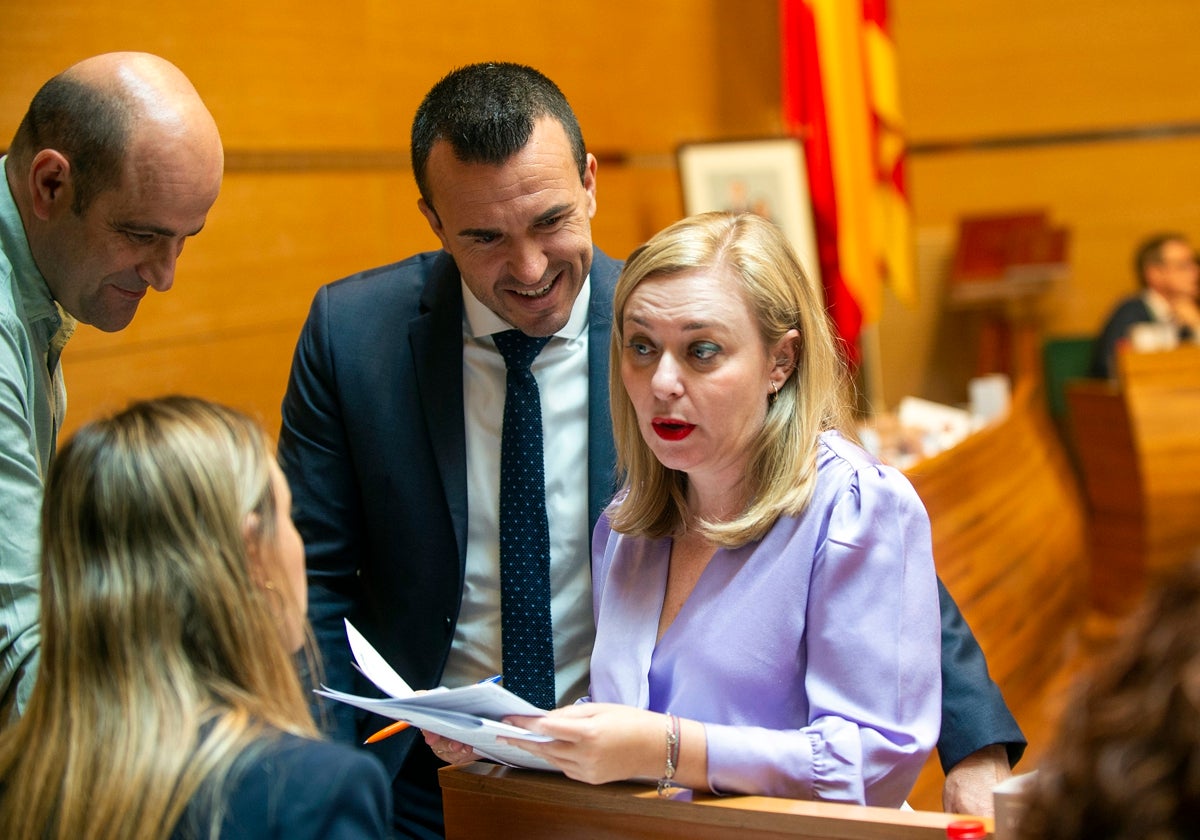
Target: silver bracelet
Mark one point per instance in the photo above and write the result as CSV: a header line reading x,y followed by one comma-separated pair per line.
x,y
665,784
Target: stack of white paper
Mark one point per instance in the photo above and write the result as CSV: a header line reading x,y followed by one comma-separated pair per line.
x,y
471,714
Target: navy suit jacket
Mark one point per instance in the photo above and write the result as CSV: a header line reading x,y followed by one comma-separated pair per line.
x,y
1130,311
374,447
291,788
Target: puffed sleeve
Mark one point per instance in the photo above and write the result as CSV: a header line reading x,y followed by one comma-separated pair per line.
x,y
872,646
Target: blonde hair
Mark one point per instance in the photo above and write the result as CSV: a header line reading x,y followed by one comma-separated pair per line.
x,y
762,267
161,660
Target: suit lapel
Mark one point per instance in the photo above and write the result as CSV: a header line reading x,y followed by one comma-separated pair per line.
x,y
435,337
602,453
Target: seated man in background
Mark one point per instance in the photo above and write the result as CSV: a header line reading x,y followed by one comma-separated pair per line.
x,y
1170,280
114,166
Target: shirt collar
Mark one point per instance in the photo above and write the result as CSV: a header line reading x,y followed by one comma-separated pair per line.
x,y
480,321
31,285
1159,306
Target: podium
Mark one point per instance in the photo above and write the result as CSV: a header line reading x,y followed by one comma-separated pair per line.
x,y
1004,264
504,803
1138,445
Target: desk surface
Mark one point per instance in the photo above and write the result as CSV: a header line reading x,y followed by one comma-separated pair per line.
x,y
502,802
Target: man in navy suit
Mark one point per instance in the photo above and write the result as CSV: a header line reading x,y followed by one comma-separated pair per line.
x,y
392,418
1169,277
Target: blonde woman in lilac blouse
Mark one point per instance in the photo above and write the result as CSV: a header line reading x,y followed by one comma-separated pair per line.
x,y
765,596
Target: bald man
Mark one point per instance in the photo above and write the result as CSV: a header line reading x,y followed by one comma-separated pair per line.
x,y
114,166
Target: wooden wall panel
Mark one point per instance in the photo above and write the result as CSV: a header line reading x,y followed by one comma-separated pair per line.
x,y
1012,67
247,370
314,107
282,74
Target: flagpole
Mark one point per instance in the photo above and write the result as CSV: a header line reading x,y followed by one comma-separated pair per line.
x,y
872,369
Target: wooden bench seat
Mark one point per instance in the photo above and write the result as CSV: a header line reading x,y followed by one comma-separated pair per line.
x,y
1009,539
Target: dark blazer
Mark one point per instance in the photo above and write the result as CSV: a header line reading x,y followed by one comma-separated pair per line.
x,y
1130,311
373,445
294,788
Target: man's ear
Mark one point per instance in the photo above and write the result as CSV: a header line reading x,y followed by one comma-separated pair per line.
x,y
435,223
50,183
589,185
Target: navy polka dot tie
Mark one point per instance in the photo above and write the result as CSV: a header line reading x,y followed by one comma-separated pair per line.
x,y
527,642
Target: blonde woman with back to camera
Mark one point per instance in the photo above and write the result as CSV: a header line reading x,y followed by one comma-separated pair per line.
x,y
173,601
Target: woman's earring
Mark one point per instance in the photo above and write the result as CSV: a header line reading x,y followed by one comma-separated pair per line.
x,y
774,388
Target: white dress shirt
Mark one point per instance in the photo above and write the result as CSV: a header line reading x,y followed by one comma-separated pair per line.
x,y
561,371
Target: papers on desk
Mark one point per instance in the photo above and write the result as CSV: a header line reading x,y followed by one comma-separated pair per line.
x,y
470,714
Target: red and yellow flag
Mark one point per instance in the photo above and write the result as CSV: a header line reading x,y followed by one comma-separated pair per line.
x,y
840,97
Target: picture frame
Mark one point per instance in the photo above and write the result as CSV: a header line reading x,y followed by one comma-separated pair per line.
x,y
765,176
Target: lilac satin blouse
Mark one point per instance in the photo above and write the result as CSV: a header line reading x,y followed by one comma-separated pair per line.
x,y
812,657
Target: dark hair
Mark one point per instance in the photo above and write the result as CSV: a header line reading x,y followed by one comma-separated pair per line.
x,y
1150,252
86,124
486,113
1127,761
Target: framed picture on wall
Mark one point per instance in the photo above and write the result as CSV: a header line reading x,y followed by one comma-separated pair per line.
x,y
767,177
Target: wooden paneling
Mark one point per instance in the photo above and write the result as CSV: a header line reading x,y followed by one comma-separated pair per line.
x,y
1109,196
1139,451
484,800
280,74
1103,443
1019,67
247,370
314,107
1162,392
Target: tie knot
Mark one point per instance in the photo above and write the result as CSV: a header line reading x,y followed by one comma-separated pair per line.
x,y
519,350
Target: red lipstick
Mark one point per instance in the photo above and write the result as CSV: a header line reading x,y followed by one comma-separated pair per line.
x,y
669,429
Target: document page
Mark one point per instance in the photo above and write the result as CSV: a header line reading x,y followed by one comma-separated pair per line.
x,y
470,714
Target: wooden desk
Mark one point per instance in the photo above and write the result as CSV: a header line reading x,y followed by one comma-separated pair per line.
x,y
1138,443
1104,448
1162,396
502,803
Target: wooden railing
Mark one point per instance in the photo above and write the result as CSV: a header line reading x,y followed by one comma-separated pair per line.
x,y
502,803
1009,543
1138,445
